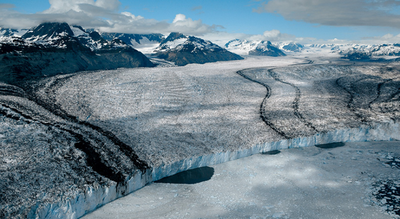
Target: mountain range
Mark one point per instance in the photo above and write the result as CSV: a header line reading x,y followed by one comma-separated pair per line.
x,y
53,48
176,47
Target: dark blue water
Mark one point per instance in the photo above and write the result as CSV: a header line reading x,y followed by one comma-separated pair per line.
x,y
271,152
189,176
331,145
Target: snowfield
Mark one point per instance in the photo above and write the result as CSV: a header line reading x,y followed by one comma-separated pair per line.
x,y
105,134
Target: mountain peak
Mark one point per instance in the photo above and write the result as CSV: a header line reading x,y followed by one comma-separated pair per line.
x,y
265,48
49,30
172,37
265,42
178,41
294,47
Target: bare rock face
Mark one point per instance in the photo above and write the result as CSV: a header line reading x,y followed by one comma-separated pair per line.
x,y
58,48
183,50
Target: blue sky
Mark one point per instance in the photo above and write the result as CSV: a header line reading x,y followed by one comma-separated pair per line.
x,y
276,20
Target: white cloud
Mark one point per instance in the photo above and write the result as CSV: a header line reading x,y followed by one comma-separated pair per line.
x,y
104,15
2,6
127,22
336,12
387,38
109,4
273,36
57,6
183,24
179,18
61,6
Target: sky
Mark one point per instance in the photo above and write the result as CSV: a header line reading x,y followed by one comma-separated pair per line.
x,y
304,21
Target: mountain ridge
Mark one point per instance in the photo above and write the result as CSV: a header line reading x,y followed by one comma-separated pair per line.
x,y
55,48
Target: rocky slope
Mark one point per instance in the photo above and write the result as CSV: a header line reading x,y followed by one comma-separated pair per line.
x,y
55,48
183,50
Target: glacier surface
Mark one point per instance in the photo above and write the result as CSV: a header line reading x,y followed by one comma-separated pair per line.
x,y
91,137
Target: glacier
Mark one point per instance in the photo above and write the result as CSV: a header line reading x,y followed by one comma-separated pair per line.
x,y
117,131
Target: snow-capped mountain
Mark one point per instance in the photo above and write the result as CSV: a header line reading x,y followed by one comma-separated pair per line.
x,y
171,41
53,48
293,47
265,48
183,50
145,43
259,48
241,47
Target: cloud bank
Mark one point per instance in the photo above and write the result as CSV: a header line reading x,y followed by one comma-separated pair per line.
x,y
336,12
102,15
106,16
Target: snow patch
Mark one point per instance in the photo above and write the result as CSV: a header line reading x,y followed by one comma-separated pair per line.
x,y
175,43
78,32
